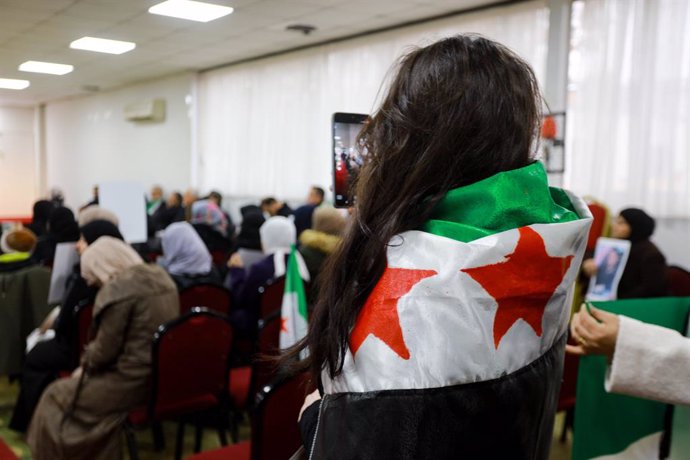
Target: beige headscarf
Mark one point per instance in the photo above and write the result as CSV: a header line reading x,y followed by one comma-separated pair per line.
x,y
107,258
93,212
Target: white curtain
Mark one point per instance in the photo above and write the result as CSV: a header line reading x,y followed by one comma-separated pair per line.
x,y
628,141
264,126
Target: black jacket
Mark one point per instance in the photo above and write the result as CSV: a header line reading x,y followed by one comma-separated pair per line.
x,y
645,272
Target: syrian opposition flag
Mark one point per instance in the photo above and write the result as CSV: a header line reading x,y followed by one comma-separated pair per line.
x,y
617,427
293,315
466,326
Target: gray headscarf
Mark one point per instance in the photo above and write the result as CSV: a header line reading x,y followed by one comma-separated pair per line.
x,y
184,253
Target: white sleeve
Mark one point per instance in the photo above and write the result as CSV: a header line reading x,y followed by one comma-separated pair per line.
x,y
650,362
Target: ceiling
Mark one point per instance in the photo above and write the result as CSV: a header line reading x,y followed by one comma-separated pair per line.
x,y
41,30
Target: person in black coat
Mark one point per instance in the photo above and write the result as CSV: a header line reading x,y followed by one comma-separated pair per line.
x,y
39,222
62,228
645,272
47,359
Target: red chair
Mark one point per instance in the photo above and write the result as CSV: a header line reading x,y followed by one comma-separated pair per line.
x,y
275,432
600,224
272,296
6,453
247,380
219,257
83,315
190,364
212,296
678,281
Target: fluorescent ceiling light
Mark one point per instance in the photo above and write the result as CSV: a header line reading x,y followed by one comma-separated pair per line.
x,y
11,83
188,9
46,67
102,45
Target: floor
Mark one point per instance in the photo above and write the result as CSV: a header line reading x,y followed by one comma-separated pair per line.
x,y
8,394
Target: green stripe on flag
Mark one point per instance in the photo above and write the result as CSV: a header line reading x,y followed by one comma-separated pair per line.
x,y
294,283
607,423
510,199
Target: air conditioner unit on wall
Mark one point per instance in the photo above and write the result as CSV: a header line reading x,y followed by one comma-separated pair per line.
x,y
148,110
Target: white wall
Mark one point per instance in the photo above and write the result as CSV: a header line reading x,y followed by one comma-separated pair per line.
x,y
89,141
264,126
18,172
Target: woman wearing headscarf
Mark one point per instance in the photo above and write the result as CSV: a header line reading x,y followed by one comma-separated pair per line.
x,y
48,358
81,417
278,234
323,239
62,228
39,222
185,257
95,212
645,270
210,223
16,247
249,239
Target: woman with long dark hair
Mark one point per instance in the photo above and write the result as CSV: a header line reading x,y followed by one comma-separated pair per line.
x,y
441,319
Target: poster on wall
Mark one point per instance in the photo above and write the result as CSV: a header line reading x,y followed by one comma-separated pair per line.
x,y
610,255
128,201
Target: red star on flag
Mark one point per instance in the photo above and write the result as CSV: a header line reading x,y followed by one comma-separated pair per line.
x,y
283,325
379,315
523,284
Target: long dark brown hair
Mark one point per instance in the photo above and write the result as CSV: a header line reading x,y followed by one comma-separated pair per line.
x,y
458,111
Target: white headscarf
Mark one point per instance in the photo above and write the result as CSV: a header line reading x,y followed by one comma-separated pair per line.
x,y
184,252
94,212
278,234
107,258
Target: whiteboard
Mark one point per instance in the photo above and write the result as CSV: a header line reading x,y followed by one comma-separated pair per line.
x,y
128,201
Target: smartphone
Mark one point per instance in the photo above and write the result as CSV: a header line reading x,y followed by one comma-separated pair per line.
x,y
348,155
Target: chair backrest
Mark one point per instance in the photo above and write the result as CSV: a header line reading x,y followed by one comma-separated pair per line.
x,y
678,281
268,344
83,315
566,398
191,361
275,433
600,224
271,295
214,297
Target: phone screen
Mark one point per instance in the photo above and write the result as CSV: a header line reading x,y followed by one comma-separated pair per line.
x,y
348,156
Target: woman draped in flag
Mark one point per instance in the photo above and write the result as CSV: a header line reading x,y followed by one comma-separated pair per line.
x,y
440,325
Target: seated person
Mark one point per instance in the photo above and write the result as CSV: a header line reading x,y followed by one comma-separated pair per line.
x,y
303,214
39,222
249,239
186,258
209,222
81,417
48,358
272,207
95,212
16,247
645,271
277,237
173,211
316,244
62,228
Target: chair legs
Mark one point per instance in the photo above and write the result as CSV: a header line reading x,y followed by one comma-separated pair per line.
x,y
567,423
158,437
199,431
179,441
131,443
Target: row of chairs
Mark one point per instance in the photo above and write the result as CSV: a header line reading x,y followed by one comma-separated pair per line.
x,y
205,391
